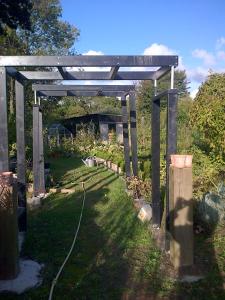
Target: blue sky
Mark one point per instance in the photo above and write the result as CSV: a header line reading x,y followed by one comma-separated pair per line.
x,y
193,29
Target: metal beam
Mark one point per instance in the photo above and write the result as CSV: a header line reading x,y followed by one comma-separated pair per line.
x,y
83,87
4,146
21,159
84,75
133,133
113,72
90,61
125,136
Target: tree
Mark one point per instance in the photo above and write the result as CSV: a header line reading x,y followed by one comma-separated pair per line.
x,y
208,117
146,89
49,34
15,13
67,107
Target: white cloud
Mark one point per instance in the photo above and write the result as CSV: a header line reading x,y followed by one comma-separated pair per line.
x,y
220,43
158,49
93,52
221,55
193,93
207,57
198,74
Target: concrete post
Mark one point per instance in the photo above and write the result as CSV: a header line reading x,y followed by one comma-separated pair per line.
x,y
181,216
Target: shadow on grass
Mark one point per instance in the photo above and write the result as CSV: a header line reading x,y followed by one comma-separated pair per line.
x,y
114,257
102,263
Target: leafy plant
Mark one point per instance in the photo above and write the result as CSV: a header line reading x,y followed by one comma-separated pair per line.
x,y
139,187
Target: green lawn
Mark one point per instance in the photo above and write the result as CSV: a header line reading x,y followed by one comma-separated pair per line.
x,y
114,257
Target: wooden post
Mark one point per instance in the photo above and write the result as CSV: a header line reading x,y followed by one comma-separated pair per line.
x,y
125,136
21,159
171,143
36,155
181,216
4,150
155,144
41,156
9,254
133,133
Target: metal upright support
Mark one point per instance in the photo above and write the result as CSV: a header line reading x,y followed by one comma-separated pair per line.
x,y
172,78
125,136
171,143
4,151
133,133
156,201
36,155
21,158
41,156
155,87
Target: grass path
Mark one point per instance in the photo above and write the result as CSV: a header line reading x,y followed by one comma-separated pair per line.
x,y
114,257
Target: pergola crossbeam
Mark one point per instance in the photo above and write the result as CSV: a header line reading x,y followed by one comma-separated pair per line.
x,y
161,72
11,71
113,72
85,75
63,73
81,93
90,61
66,87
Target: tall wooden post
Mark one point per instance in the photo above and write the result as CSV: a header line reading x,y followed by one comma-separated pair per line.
x,y
133,133
4,150
36,153
21,159
41,155
156,201
125,136
171,141
9,254
181,216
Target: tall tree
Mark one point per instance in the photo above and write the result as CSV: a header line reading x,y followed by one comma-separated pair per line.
x,y
14,14
208,116
146,89
49,34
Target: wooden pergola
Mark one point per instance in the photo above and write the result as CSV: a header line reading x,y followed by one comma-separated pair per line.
x,y
48,69
82,90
